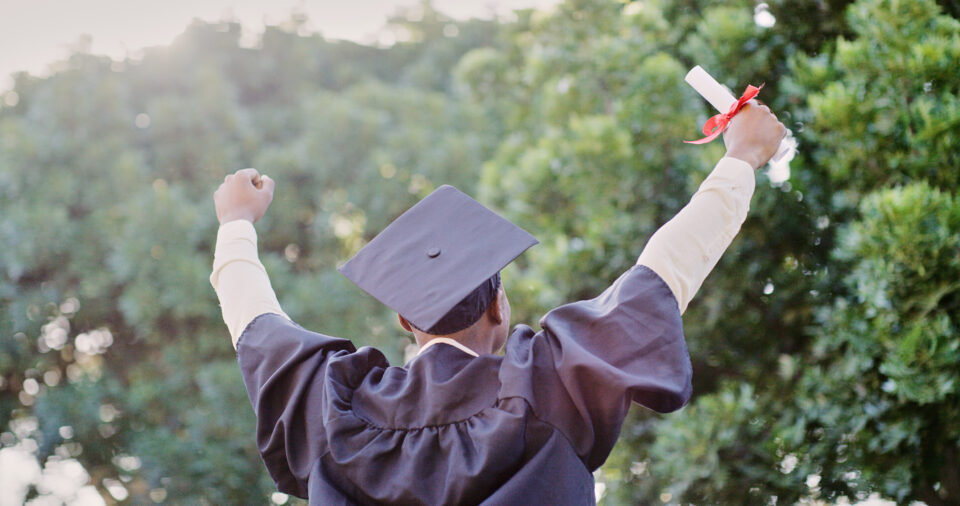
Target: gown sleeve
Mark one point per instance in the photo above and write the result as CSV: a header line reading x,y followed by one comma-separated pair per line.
x,y
593,357
286,372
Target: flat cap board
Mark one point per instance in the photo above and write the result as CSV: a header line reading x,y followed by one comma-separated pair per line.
x,y
435,254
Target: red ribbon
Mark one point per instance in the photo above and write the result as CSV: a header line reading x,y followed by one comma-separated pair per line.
x,y
717,124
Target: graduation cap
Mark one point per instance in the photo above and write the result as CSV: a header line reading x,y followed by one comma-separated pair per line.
x,y
438,264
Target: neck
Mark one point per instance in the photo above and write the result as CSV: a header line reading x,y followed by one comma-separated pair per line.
x,y
481,344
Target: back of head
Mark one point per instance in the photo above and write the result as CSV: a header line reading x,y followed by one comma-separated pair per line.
x,y
468,310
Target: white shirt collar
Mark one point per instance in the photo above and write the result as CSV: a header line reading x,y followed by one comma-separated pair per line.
x,y
446,340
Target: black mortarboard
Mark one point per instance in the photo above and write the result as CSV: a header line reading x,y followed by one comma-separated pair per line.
x,y
435,255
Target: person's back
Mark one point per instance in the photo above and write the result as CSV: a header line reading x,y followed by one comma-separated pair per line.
x,y
433,432
460,424
452,428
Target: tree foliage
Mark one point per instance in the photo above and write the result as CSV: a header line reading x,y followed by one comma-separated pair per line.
x,y
825,344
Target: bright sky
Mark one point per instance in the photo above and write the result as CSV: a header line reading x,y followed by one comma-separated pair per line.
x,y
35,33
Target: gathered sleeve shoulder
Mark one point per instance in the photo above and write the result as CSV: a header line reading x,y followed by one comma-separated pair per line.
x,y
593,357
295,392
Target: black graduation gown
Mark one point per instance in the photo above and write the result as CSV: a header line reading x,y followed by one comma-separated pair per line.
x,y
341,426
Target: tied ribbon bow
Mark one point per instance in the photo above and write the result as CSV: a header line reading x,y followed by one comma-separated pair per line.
x,y
718,123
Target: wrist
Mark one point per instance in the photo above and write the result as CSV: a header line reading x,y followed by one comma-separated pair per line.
x,y
749,158
236,215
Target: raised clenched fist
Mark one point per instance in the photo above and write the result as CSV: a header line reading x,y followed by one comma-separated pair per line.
x,y
754,134
244,195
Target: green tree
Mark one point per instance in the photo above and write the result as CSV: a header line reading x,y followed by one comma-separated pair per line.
x,y
594,106
876,408
865,403
112,351
885,350
825,344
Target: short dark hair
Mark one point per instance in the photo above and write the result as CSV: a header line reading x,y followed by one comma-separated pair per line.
x,y
468,310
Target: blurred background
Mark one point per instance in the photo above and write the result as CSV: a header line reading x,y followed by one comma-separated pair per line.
x,y
826,344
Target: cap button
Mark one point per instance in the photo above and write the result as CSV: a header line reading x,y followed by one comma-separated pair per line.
x,y
433,252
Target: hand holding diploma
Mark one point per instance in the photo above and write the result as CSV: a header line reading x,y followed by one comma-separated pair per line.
x,y
760,124
755,135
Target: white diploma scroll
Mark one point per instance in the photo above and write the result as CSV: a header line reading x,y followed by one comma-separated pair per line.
x,y
721,99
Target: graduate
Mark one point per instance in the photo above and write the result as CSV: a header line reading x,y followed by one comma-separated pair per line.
x,y
461,423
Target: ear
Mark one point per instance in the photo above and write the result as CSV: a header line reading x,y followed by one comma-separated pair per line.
x,y
404,323
494,310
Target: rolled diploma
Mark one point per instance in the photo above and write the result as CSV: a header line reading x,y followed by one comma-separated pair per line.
x,y
721,99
